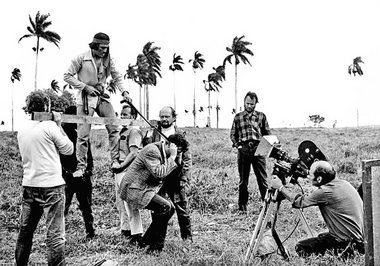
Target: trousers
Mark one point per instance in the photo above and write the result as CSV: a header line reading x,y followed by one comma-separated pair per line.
x,y
245,159
103,109
82,188
130,218
163,210
35,201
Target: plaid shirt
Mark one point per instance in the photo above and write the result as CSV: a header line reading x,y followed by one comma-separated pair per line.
x,y
247,127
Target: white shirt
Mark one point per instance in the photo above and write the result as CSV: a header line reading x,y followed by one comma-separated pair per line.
x,y
40,144
168,131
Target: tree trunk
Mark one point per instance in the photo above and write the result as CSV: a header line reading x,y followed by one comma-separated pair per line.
x,y
217,113
194,110
12,104
209,109
140,100
236,110
174,104
36,69
147,102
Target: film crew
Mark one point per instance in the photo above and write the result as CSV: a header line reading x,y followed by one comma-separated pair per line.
x,y
88,74
130,142
142,181
176,184
80,186
248,127
341,208
40,143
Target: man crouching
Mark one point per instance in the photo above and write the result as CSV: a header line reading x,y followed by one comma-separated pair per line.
x,y
142,181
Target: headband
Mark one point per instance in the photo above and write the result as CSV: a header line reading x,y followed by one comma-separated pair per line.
x,y
101,41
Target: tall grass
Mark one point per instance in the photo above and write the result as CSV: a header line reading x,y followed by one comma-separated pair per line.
x,y
221,235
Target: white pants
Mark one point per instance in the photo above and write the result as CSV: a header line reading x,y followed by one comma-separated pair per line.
x,y
130,218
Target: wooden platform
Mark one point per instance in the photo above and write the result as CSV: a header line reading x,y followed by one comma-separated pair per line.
x,y
81,119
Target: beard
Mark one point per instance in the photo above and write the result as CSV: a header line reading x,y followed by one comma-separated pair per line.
x,y
165,125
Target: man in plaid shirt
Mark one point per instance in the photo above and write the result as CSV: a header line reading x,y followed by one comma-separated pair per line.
x,y
247,129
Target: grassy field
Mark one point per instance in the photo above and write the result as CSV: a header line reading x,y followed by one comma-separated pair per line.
x,y
221,235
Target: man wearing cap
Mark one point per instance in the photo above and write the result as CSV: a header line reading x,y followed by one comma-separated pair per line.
x,y
341,208
88,73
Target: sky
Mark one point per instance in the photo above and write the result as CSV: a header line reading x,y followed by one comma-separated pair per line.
x,y
302,50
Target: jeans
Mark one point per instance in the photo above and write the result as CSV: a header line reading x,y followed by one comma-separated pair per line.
x,y
179,199
103,109
35,201
163,210
83,190
245,159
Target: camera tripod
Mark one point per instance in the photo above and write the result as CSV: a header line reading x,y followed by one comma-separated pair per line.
x,y
270,207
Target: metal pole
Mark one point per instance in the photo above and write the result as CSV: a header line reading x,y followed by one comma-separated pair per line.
x,y
146,120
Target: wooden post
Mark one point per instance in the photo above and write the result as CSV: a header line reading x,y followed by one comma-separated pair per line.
x,y
371,213
42,116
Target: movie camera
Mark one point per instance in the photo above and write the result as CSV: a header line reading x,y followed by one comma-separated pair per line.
x,y
285,165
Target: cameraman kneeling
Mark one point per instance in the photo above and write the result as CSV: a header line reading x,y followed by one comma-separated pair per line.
x,y
340,206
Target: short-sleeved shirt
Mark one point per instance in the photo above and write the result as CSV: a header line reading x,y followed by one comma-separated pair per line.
x,y
129,137
341,208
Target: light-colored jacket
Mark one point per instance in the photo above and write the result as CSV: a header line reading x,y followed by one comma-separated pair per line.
x,y
82,71
144,176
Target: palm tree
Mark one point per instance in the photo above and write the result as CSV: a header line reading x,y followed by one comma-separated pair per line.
x,y
145,71
353,69
54,86
132,74
238,51
38,29
177,62
213,84
197,63
16,75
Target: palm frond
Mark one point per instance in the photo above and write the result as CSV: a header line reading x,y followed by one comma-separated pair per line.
x,y
54,86
16,75
25,36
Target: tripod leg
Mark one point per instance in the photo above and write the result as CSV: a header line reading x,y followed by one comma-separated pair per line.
x,y
304,223
256,230
277,239
260,230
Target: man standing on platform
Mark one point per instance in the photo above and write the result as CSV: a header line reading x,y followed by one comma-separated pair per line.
x,y
88,74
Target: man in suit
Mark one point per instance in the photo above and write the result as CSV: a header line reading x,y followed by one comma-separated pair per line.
x,y
143,180
177,182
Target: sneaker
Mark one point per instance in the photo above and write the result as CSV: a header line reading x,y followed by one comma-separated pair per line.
x,y
78,173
